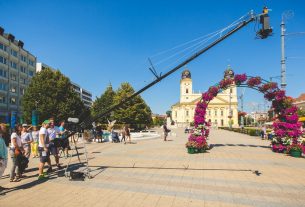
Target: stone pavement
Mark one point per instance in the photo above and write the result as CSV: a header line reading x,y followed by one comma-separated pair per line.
x,y
239,171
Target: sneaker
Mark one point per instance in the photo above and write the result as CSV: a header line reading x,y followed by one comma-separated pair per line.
x,y
17,179
40,177
49,170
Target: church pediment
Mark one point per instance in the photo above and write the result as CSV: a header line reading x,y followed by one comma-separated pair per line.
x,y
216,100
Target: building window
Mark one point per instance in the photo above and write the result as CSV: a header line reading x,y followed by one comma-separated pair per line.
x,y
22,91
187,90
13,89
3,73
176,114
13,100
222,122
187,113
231,91
3,86
221,112
2,60
2,47
23,69
31,73
23,58
23,80
13,65
209,112
215,121
31,63
13,77
215,112
13,52
2,99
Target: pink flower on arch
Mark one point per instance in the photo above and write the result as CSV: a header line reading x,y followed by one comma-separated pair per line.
x,y
240,78
254,81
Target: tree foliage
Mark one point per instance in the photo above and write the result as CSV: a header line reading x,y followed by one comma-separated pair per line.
x,y
134,112
52,95
102,103
158,121
301,113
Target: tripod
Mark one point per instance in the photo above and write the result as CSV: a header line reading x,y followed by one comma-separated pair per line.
x,y
82,174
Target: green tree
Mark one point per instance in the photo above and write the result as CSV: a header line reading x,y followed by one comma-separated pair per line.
x,y
158,121
102,103
52,95
134,112
301,113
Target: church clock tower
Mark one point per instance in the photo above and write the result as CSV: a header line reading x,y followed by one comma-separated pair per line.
x,y
186,87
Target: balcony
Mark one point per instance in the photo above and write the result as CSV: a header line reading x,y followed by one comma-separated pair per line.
x,y
3,53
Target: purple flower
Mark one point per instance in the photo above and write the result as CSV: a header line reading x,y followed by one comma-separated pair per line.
x,y
292,118
213,90
240,78
254,81
225,83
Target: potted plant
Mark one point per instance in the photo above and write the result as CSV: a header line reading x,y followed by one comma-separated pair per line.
x,y
295,150
191,147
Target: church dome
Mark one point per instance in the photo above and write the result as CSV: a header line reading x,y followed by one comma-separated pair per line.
x,y
186,74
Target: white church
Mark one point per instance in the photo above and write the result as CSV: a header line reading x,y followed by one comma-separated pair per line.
x,y
218,112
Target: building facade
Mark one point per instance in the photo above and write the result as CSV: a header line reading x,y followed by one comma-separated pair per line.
x,y
218,111
84,94
300,101
17,67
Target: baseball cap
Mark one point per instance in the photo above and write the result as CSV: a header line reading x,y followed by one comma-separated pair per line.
x,y
46,121
24,125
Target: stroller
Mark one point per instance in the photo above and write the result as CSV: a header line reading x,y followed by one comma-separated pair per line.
x,y
115,137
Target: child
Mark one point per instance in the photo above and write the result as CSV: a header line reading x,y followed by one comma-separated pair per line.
x,y
34,144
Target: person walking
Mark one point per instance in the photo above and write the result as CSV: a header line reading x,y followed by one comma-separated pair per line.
x,y
15,150
263,131
127,133
3,156
34,144
26,141
53,132
165,131
43,148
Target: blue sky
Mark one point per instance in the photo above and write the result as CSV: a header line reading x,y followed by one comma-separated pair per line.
x,y
96,42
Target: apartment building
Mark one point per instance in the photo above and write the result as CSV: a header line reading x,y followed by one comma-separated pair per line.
x,y
17,67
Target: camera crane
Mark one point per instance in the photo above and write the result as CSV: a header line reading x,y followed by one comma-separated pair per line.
x,y
263,33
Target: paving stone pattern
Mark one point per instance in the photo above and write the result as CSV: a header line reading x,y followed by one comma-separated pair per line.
x,y
239,171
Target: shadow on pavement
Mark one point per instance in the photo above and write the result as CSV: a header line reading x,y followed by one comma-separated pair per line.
x,y
26,185
103,168
240,145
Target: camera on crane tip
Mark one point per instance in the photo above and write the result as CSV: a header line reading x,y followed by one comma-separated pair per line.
x,y
266,30
73,125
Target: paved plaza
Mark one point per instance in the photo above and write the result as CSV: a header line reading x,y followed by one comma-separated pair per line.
x,y
239,171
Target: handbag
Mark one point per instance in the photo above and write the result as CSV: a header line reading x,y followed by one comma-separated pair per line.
x,y
17,152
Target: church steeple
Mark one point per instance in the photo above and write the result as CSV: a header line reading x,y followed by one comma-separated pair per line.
x,y
186,74
186,86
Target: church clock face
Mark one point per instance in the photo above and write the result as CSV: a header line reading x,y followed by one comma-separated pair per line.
x,y
187,84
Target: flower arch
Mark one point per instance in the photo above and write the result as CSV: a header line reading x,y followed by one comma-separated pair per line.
x,y
286,125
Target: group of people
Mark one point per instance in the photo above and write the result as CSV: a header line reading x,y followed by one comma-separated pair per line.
x,y
125,134
25,141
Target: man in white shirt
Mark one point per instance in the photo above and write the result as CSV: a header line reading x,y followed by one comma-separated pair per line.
x,y
53,134
43,148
